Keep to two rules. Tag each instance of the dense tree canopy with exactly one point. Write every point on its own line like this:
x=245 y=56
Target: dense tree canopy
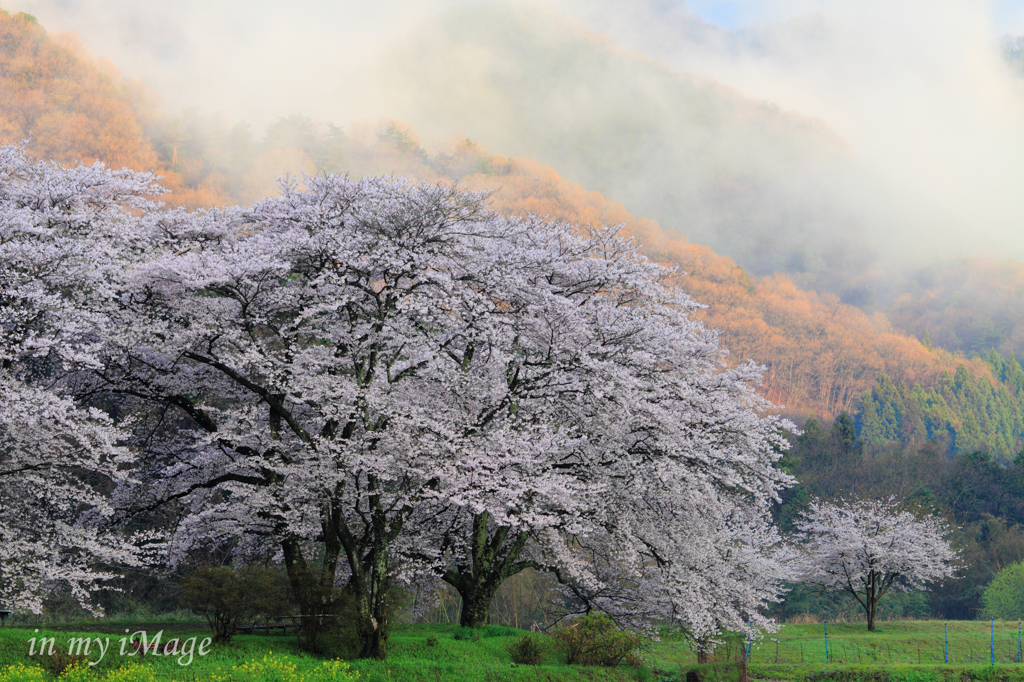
x=969 y=413
x=1004 y=596
x=372 y=375
x=60 y=231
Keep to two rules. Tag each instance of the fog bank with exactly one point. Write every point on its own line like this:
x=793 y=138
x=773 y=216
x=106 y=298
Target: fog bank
x=833 y=140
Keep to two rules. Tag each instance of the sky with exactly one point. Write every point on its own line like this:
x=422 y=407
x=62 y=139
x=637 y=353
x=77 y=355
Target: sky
x=732 y=16
x=1007 y=15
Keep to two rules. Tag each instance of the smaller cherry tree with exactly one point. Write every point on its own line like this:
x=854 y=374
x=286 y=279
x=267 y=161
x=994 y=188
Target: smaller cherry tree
x=869 y=547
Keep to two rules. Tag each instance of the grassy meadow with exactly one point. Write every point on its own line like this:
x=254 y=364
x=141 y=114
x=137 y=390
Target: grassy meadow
x=897 y=651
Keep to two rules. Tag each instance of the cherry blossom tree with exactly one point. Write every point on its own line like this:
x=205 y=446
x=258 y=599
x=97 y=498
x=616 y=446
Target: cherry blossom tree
x=869 y=547
x=301 y=341
x=388 y=376
x=60 y=233
x=685 y=558
x=644 y=403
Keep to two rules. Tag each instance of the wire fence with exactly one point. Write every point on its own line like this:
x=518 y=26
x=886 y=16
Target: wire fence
x=895 y=643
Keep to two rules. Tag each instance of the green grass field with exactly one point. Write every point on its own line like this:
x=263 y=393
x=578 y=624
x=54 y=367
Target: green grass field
x=419 y=652
x=899 y=651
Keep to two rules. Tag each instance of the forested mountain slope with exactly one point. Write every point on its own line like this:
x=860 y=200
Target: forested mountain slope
x=68 y=106
x=970 y=305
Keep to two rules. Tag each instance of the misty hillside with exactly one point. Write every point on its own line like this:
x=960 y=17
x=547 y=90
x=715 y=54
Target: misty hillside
x=971 y=305
x=67 y=107
x=823 y=357
x=760 y=184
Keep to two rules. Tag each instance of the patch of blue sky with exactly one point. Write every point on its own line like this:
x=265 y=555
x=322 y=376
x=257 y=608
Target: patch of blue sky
x=734 y=15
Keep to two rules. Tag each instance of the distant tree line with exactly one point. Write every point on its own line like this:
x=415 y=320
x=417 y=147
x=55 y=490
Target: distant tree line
x=964 y=413
x=942 y=450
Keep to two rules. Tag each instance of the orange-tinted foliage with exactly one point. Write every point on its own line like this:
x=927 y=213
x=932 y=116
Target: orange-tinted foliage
x=72 y=108
x=969 y=305
x=820 y=354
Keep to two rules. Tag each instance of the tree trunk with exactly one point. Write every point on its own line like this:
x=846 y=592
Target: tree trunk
x=871 y=597
x=368 y=557
x=314 y=593
x=493 y=560
x=476 y=603
x=371 y=584
x=375 y=645
x=371 y=614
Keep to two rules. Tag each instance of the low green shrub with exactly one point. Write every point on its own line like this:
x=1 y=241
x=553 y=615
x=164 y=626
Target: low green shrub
x=594 y=639
x=527 y=649
x=341 y=641
x=232 y=598
x=1004 y=596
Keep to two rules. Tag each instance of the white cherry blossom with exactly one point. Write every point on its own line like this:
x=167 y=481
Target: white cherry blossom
x=868 y=547
x=60 y=234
